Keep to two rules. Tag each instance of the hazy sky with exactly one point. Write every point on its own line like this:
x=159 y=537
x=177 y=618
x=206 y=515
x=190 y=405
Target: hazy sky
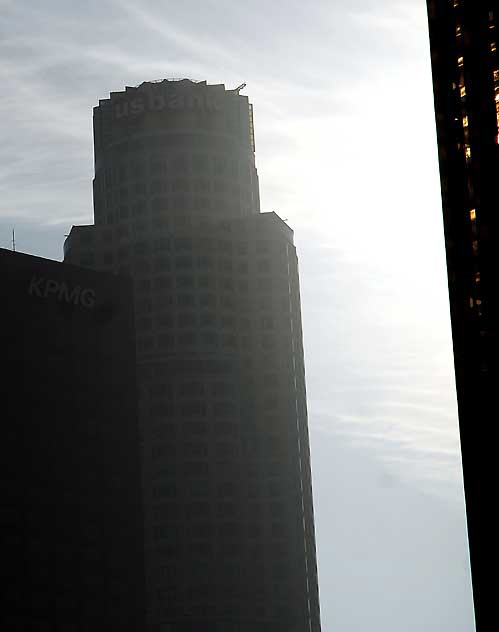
x=346 y=153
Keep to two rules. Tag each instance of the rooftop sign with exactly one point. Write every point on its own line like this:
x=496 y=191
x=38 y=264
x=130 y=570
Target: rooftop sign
x=156 y=101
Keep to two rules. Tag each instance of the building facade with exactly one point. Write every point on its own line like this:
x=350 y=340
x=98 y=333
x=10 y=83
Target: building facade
x=465 y=64
x=227 y=486
x=71 y=517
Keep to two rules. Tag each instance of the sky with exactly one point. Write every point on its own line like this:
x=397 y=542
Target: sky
x=346 y=153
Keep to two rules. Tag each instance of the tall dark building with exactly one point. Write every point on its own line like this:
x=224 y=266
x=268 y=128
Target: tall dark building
x=463 y=38
x=227 y=487
x=72 y=553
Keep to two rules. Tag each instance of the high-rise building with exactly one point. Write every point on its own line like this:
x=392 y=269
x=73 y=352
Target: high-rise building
x=464 y=38
x=72 y=545
x=227 y=485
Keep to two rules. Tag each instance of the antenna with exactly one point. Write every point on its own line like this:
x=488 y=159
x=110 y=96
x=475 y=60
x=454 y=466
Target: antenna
x=243 y=85
x=13 y=240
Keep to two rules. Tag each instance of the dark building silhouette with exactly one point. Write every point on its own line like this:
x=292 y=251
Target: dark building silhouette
x=71 y=520
x=464 y=37
x=227 y=487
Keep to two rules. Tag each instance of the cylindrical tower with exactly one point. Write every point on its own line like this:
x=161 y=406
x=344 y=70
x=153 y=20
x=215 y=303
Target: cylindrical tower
x=173 y=148
x=229 y=533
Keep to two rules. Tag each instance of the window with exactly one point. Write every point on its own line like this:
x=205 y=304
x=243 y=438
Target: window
x=189 y=389
x=187 y=340
x=162 y=282
x=87 y=260
x=268 y=342
x=267 y=322
x=108 y=258
x=165 y=491
x=183 y=263
x=180 y=164
x=205 y=262
x=206 y=245
x=265 y=284
x=186 y=319
x=205 y=282
x=227 y=284
x=145 y=343
x=140 y=188
x=143 y=285
x=182 y=244
x=460 y=62
x=185 y=282
x=165 y=321
x=224 y=246
x=227 y=302
x=200 y=162
x=207 y=319
x=186 y=300
x=159 y=204
x=225 y=265
x=201 y=185
x=180 y=185
x=473 y=214
x=209 y=338
x=140 y=248
x=195 y=428
x=199 y=487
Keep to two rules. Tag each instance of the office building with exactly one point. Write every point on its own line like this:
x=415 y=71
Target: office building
x=463 y=38
x=71 y=518
x=227 y=487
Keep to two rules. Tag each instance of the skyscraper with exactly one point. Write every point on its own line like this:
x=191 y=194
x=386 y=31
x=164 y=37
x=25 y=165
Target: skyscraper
x=72 y=542
x=463 y=38
x=227 y=486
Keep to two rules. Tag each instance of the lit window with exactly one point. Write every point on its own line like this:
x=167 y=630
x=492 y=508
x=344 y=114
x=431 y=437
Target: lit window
x=478 y=302
x=465 y=121
x=460 y=62
x=471 y=302
x=492 y=46
x=475 y=246
x=477 y=277
x=467 y=152
x=458 y=30
x=473 y=214
x=462 y=91
x=456 y=3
